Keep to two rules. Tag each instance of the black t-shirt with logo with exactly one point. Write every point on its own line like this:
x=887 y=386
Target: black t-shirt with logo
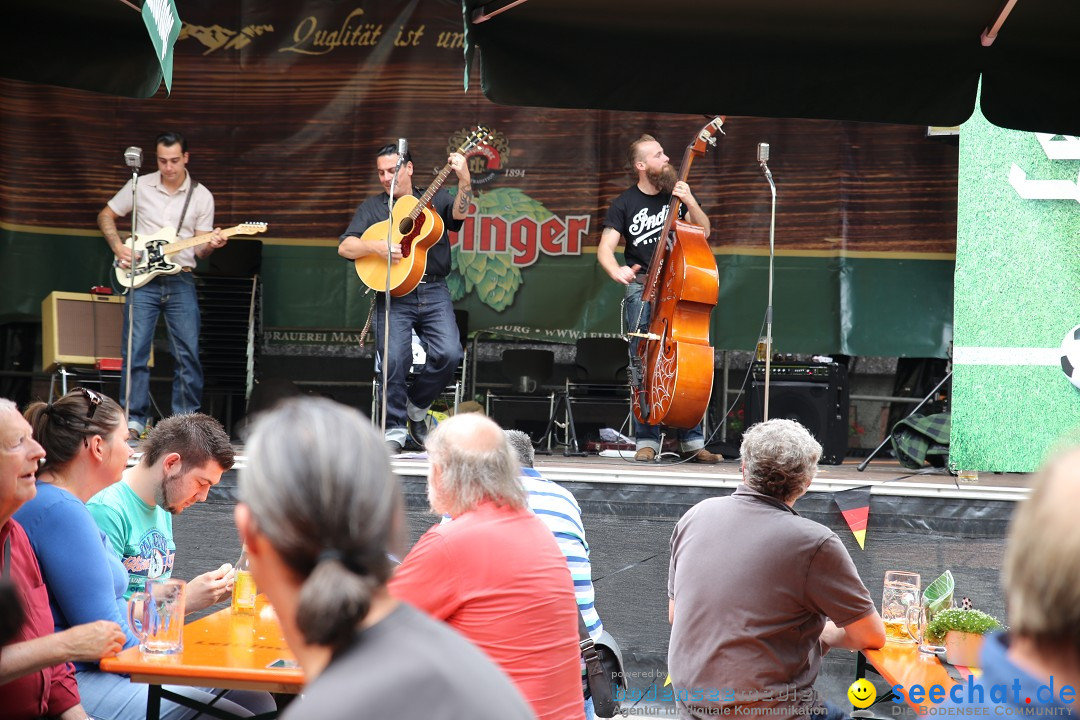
x=640 y=218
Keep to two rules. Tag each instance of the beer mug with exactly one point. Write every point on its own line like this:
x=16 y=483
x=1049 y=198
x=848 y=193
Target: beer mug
x=901 y=592
x=156 y=616
x=918 y=618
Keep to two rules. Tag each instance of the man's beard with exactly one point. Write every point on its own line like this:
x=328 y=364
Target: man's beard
x=664 y=178
x=166 y=492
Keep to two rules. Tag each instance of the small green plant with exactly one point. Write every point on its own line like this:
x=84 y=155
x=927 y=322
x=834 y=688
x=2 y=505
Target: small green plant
x=960 y=620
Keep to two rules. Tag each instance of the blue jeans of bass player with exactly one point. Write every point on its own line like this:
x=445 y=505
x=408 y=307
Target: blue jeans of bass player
x=174 y=297
x=429 y=310
x=636 y=316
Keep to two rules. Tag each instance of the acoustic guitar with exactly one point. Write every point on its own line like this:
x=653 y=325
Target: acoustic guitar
x=416 y=228
x=152 y=253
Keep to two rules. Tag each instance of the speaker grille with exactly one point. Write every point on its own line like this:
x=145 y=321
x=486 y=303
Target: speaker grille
x=820 y=406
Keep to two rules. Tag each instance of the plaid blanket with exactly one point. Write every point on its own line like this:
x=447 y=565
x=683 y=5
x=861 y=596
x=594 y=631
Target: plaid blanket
x=922 y=439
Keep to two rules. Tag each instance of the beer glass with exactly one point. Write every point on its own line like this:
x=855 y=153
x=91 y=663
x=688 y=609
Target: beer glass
x=901 y=592
x=156 y=616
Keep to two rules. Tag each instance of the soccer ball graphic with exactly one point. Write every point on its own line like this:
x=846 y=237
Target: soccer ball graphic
x=1070 y=356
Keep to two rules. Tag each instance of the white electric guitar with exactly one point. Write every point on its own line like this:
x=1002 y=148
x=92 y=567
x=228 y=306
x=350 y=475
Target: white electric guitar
x=153 y=253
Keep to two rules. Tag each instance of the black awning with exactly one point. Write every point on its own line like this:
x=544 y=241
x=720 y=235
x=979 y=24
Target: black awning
x=908 y=61
x=97 y=45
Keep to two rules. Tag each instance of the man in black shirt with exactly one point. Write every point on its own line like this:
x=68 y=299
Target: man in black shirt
x=637 y=217
x=428 y=309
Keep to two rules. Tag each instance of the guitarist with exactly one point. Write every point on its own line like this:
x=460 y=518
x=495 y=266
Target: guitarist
x=636 y=218
x=428 y=309
x=166 y=198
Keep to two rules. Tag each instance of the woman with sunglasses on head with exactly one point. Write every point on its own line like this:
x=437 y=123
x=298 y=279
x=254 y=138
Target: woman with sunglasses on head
x=85 y=434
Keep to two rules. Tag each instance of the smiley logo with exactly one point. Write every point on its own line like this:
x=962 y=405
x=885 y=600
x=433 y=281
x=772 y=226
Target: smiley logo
x=862 y=693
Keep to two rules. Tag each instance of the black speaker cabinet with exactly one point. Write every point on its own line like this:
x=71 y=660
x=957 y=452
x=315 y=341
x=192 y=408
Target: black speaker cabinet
x=815 y=395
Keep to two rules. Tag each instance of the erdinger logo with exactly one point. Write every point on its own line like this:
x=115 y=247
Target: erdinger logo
x=486 y=160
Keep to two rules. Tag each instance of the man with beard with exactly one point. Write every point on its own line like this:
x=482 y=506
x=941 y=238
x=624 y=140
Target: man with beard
x=638 y=217
x=183 y=457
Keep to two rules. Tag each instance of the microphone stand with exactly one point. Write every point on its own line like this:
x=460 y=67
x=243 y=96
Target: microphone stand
x=131 y=291
x=386 y=295
x=769 y=309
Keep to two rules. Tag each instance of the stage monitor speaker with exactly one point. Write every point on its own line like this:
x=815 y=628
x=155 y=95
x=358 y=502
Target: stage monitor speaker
x=815 y=395
x=80 y=329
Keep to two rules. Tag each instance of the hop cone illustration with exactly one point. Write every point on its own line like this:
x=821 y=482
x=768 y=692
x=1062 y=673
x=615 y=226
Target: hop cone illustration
x=493 y=275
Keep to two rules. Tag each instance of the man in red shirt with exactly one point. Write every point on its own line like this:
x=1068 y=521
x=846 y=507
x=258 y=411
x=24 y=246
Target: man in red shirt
x=35 y=679
x=495 y=573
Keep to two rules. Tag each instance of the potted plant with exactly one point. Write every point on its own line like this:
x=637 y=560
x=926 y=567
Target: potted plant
x=962 y=631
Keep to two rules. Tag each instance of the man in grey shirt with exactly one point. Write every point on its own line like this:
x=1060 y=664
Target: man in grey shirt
x=757 y=594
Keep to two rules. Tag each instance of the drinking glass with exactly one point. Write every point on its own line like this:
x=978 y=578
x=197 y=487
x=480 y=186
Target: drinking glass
x=918 y=618
x=156 y=616
x=901 y=592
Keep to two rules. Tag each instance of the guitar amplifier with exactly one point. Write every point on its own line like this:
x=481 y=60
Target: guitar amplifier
x=81 y=329
x=815 y=395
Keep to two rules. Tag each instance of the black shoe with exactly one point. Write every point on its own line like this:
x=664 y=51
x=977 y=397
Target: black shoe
x=418 y=430
x=393 y=447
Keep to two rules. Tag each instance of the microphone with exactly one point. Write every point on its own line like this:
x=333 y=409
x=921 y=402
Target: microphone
x=133 y=157
x=763 y=158
x=402 y=148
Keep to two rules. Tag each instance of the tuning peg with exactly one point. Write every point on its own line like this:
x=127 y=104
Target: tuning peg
x=712 y=140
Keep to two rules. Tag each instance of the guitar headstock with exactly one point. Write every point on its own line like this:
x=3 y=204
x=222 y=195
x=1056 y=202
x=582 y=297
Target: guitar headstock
x=250 y=228
x=477 y=137
x=707 y=135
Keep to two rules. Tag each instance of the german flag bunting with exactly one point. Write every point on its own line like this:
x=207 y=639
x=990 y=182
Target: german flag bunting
x=854 y=504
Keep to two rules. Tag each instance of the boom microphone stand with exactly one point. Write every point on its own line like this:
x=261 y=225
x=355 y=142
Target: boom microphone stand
x=133 y=159
x=402 y=148
x=763 y=160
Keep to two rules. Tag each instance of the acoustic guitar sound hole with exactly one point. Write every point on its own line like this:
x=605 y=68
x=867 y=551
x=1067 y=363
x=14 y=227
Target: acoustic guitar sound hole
x=405 y=226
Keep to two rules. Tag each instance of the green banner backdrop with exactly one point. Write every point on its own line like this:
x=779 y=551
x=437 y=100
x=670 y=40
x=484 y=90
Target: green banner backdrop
x=284 y=105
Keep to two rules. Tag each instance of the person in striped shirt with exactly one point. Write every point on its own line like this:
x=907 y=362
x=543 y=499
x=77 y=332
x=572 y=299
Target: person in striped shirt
x=559 y=510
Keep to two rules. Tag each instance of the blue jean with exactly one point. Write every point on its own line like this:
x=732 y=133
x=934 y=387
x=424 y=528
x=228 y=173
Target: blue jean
x=106 y=696
x=429 y=310
x=174 y=297
x=637 y=315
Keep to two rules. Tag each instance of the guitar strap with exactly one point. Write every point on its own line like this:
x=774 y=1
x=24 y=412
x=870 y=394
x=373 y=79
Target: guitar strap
x=187 y=201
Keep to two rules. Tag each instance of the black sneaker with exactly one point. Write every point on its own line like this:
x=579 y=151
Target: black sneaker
x=393 y=447
x=418 y=431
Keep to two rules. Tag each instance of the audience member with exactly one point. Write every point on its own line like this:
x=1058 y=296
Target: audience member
x=1039 y=657
x=758 y=594
x=85 y=436
x=182 y=458
x=495 y=573
x=320 y=512
x=559 y=510
x=35 y=677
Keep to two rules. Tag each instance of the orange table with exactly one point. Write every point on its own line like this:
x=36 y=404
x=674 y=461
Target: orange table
x=901 y=664
x=222 y=650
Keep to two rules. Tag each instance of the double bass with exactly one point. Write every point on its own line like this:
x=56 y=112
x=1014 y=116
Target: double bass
x=675 y=356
